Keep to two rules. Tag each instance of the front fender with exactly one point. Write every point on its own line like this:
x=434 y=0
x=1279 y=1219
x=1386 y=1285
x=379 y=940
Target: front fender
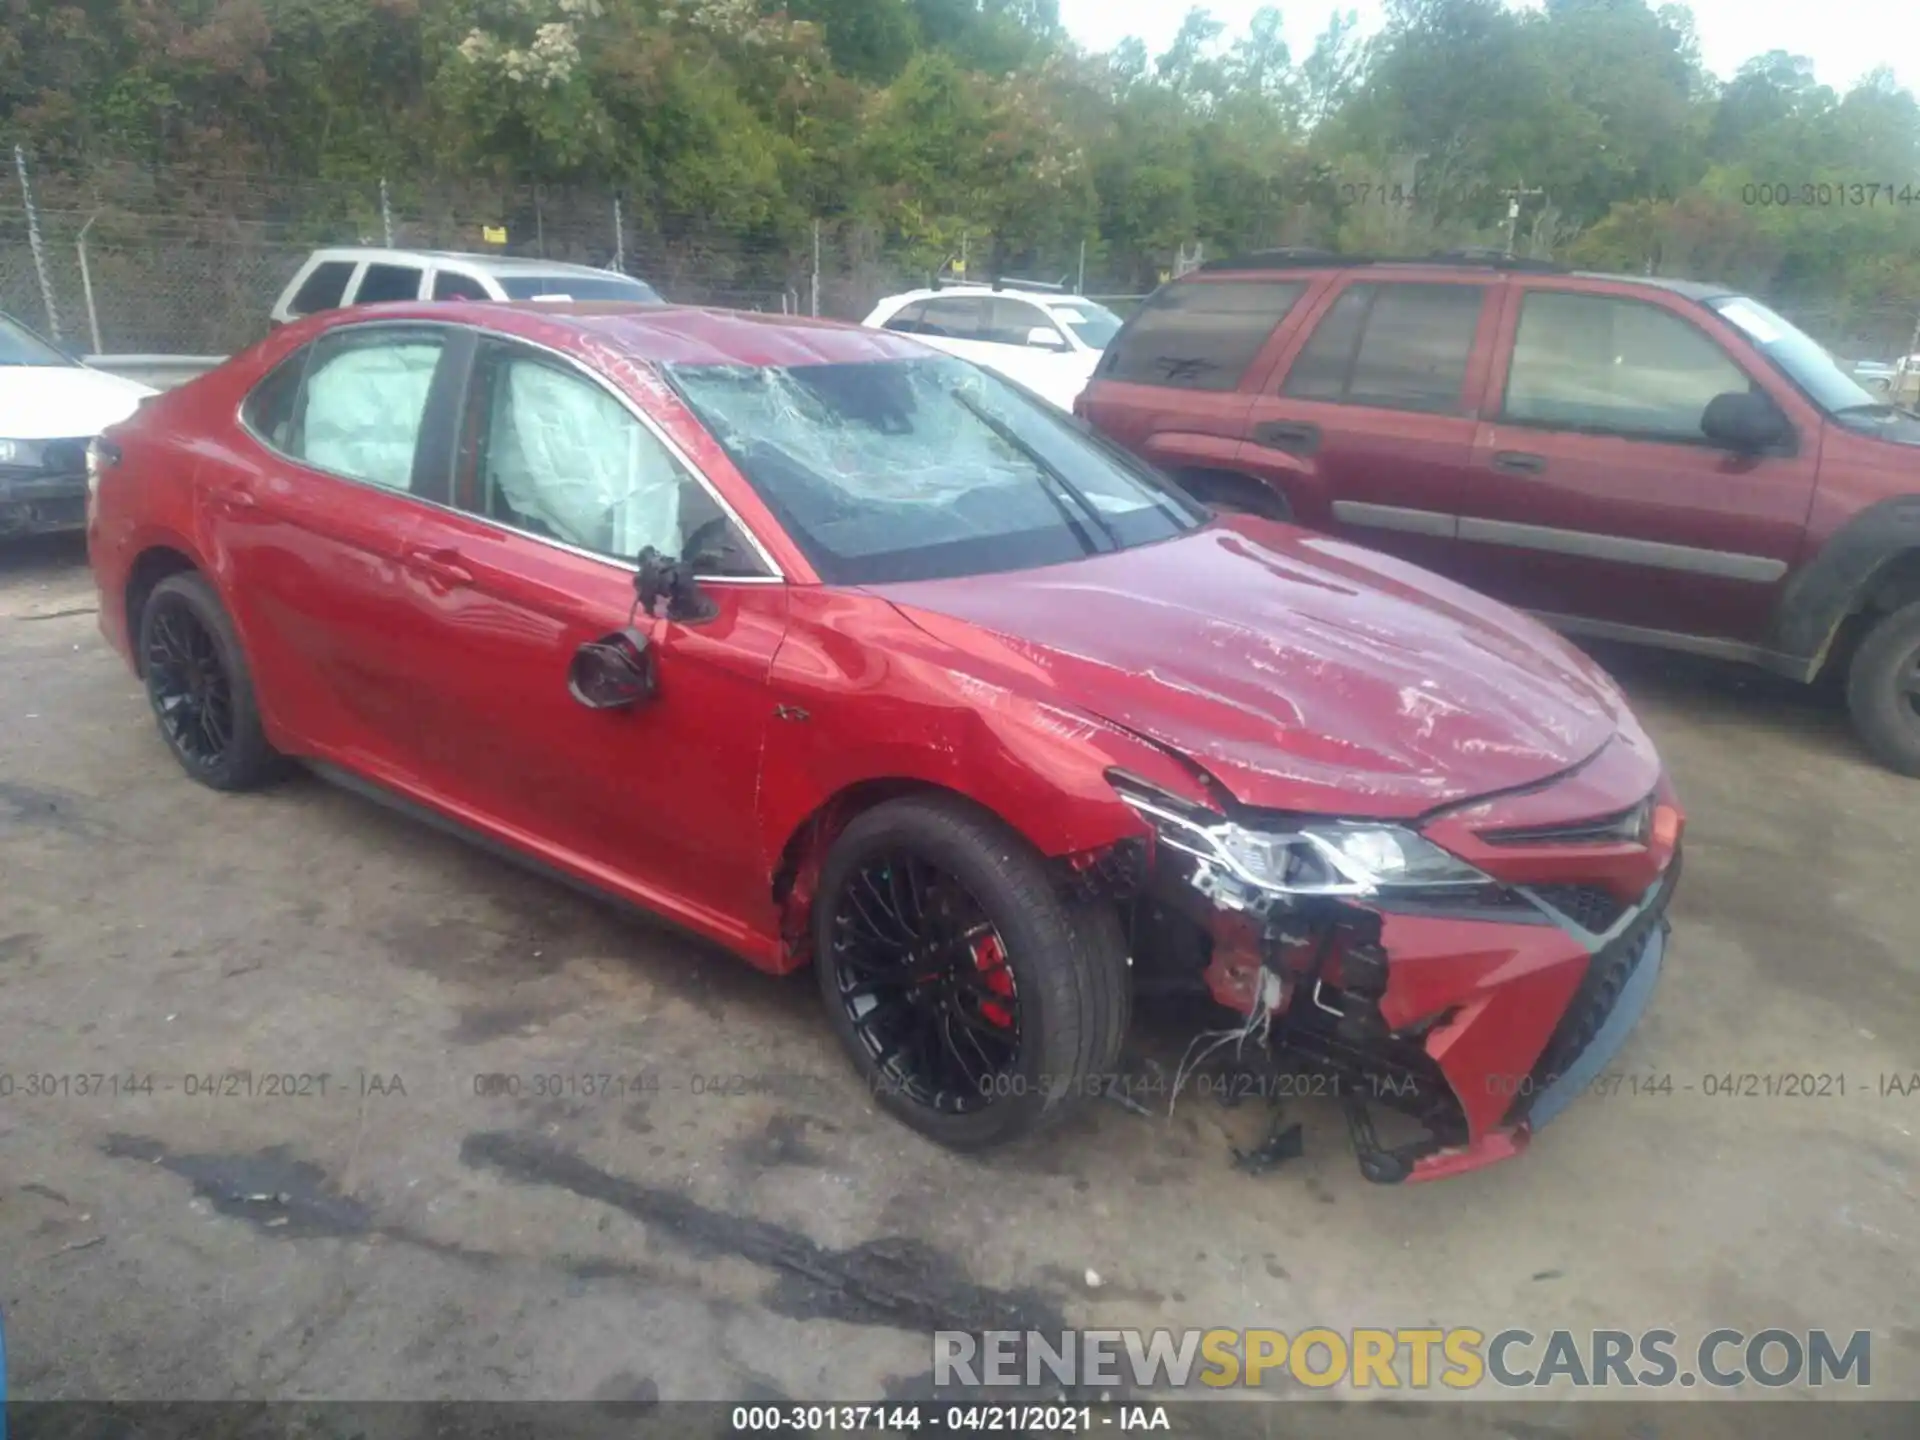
x=865 y=696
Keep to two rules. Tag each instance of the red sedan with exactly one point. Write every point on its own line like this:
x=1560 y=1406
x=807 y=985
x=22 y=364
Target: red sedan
x=835 y=650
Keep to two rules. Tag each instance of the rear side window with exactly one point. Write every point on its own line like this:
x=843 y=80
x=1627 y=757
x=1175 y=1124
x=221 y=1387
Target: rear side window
x=1199 y=335
x=387 y=282
x=269 y=410
x=1397 y=346
x=452 y=285
x=365 y=399
x=323 y=288
x=957 y=319
x=907 y=320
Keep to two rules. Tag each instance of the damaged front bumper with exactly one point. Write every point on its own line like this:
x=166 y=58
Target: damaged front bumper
x=1451 y=1025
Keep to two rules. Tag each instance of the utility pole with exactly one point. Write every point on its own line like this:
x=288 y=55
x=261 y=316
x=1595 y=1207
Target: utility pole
x=1514 y=197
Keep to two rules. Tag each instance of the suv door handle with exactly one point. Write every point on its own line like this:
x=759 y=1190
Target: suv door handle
x=439 y=567
x=1520 y=462
x=1295 y=437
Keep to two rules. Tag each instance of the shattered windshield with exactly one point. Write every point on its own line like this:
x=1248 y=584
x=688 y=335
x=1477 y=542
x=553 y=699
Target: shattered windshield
x=925 y=468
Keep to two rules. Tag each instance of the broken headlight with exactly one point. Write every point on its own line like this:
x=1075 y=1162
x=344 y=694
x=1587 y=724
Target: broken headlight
x=1308 y=857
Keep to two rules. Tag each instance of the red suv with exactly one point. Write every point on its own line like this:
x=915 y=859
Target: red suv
x=1634 y=459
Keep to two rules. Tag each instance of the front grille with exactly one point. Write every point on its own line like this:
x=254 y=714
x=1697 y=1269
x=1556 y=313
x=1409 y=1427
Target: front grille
x=1588 y=906
x=1598 y=992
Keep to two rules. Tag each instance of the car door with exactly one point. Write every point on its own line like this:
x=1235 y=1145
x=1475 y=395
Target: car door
x=310 y=517
x=1368 y=430
x=1595 y=493
x=560 y=481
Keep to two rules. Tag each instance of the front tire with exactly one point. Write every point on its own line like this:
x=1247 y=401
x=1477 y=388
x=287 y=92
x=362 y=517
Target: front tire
x=1883 y=690
x=974 y=1001
x=200 y=687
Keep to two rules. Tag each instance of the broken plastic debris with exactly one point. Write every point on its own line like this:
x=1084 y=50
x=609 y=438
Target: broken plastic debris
x=1093 y=1279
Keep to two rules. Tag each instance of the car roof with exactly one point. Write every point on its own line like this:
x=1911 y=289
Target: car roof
x=973 y=291
x=1281 y=261
x=663 y=334
x=491 y=264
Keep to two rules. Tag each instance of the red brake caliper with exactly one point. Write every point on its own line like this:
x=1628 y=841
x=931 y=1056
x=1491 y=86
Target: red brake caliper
x=990 y=959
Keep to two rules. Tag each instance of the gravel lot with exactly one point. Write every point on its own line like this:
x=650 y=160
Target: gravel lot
x=401 y=1236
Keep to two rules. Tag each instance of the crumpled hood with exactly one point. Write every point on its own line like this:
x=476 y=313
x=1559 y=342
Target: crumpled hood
x=1303 y=673
x=63 y=402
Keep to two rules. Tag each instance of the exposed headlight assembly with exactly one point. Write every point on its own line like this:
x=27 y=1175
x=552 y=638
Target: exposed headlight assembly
x=1314 y=857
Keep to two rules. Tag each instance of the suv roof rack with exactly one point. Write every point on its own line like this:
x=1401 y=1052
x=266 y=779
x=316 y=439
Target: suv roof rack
x=1001 y=282
x=1300 y=257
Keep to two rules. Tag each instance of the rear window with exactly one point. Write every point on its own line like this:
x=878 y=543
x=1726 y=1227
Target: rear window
x=1199 y=335
x=577 y=287
x=323 y=288
x=383 y=283
x=1398 y=347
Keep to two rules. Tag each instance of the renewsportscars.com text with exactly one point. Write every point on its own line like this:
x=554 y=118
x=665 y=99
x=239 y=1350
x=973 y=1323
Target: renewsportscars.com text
x=1461 y=1358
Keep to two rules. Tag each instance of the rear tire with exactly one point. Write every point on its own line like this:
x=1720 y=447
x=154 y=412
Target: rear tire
x=1023 y=1015
x=1883 y=690
x=200 y=687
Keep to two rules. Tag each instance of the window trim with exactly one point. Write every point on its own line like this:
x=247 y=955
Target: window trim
x=1459 y=407
x=774 y=576
x=1786 y=449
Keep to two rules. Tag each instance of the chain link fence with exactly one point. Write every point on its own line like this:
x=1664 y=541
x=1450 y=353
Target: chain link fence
x=135 y=259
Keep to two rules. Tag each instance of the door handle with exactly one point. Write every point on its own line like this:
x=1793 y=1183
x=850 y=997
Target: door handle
x=1295 y=437
x=439 y=567
x=1519 y=462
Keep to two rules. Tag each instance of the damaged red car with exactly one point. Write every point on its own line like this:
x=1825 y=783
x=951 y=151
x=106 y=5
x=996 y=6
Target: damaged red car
x=840 y=652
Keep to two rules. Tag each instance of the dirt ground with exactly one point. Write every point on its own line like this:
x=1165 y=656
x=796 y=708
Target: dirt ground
x=396 y=1233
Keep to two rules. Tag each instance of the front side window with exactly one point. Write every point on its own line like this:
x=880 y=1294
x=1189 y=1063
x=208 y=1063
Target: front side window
x=361 y=409
x=1199 y=335
x=1401 y=346
x=1013 y=322
x=918 y=469
x=1613 y=365
x=322 y=288
x=557 y=455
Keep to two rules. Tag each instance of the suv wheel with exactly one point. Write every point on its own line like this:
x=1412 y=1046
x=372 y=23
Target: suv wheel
x=1883 y=690
x=974 y=1000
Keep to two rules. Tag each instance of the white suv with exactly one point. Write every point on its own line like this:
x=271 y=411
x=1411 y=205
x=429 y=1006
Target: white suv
x=1040 y=335
x=358 y=275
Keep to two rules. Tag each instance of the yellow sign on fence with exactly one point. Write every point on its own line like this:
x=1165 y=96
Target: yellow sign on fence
x=494 y=234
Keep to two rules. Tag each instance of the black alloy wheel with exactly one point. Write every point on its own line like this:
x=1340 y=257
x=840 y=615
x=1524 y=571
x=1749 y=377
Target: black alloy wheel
x=187 y=682
x=925 y=982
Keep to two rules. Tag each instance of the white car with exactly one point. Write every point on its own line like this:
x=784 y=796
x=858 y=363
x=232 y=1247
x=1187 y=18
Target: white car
x=51 y=406
x=1041 y=336
x=343 y=275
